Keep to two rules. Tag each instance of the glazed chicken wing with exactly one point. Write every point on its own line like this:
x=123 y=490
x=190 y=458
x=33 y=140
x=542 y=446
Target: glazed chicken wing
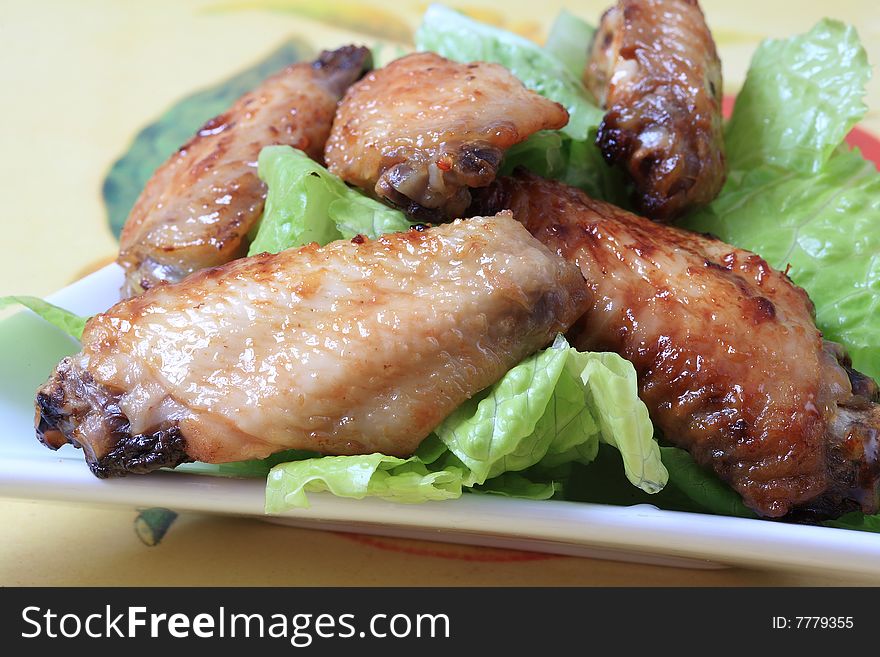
x=421 y=131
x=729 y=360
x=197 y=209
x=353 y=348
x=653 y=66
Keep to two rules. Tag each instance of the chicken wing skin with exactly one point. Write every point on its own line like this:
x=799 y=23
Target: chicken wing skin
x=196 y=210
x=421 y=131
x=653 y=66
x=356 y=347
x=729 y=360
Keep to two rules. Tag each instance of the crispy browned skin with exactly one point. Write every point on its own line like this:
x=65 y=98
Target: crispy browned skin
x=654 y=67
x=423 y=130
x=198 y=207
x=352 y=348
x=730 y=363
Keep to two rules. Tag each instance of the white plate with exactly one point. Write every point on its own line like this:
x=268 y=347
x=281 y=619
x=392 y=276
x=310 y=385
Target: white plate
x=29 y=349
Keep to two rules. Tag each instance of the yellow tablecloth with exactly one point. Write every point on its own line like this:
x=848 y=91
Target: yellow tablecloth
x=79 y=80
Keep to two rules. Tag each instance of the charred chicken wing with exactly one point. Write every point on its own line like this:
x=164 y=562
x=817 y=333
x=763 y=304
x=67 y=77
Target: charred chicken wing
x=421 y=131
x=730 y=362
x=352 y=348
x=198 y=207
x=653 y=66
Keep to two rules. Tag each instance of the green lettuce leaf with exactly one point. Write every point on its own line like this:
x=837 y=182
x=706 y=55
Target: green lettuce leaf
x=513 y=424
x=515 y=484
x=376 y=475
x=306 y=203
x=555 y=408
x=69 y=322
x=826 y=228
x=804 y=202
x=251 y=469
x=568 y=40
x=514 y=439
x=701 y=487
x=690 y=488
x=801 y=97
x=555 y=155
x=856 y=520
x=796 y=195
x=462 y=39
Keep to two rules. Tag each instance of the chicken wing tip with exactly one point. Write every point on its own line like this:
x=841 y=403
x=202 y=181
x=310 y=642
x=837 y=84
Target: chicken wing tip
x=344 y=66
x=70 y=395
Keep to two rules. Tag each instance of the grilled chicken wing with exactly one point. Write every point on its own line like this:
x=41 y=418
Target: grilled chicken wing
x=422 y=130
x=654 y=67
x=356 y=347
x=730 y=363
x=198 y=207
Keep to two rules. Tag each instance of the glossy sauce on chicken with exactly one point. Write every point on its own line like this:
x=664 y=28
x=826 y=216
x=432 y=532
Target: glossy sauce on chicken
x=729 y=360
x=197 y=209
x=422 y=131
x=654 y=67
x=352 y=348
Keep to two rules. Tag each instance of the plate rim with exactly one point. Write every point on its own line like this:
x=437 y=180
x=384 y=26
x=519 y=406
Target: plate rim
x=626 y=533
x=641 y=532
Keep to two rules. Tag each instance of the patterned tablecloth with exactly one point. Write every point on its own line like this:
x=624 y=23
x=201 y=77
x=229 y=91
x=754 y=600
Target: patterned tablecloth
x=81 y=81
